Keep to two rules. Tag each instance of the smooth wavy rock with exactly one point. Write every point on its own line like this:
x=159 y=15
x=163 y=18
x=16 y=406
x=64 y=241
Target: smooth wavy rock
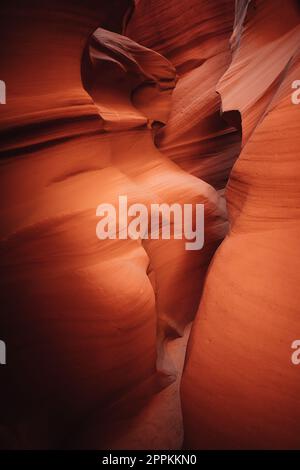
x=132 y=85
x=194 y=36
x=240 y=389
x=262 y=49
x=88 y=322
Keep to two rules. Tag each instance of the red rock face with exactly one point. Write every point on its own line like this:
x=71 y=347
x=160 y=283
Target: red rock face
x=195 y=136
x=240 y=388
x=153 y=100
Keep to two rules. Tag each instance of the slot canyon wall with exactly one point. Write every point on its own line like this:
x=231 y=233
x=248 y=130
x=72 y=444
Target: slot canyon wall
x=135 y=344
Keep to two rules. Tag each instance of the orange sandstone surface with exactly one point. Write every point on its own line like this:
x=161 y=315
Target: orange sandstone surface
x=165 y=102
x=240 y=389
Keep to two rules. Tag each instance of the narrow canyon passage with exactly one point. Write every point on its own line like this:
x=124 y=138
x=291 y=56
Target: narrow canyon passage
x=166 y=102
x=149 y=86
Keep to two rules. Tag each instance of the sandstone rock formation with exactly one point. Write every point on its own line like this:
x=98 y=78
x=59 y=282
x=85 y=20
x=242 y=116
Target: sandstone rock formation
x=194 y=36
x=240 y=388
x=87 y=321
x=153 y=100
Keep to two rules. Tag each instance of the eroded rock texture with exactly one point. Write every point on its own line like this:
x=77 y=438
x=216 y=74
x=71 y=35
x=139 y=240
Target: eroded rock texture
x=240 y=388
x=194 y=36
x=88 y=321
x=153 y=100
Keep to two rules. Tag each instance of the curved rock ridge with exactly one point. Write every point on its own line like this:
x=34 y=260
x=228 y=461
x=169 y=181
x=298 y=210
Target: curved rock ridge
x=91 y=329
x=261 y=56
x=46 y=101
x=240 y=388
x=131 y=84
x=194 y=36
x=164 y=102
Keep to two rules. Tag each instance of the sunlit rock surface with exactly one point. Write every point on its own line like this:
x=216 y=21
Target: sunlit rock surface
x=194 y=35
x=88 y=322
x=240 y=388
x=153 y=100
